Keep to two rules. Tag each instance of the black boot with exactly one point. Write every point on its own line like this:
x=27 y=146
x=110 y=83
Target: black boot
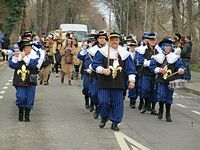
x=141 y=104
x=144 y=107
x=91 y=108
x=143 y=110
x=114 y=127
x=27 y=115
x=153 y=111
x=21 y=114
x=103 y=123
x=96 y=113
x=160 y=113
x=87 y=102
x=148 y=105
x=132 y=104
x=168 y=115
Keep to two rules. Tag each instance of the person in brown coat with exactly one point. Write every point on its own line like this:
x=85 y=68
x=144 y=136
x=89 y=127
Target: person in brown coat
x=67 y=54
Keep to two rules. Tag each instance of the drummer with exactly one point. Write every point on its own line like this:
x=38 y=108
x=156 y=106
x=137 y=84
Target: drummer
x=167 y=66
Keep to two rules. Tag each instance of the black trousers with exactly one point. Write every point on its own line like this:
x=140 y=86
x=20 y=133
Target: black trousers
x=56 y=66
x=76 y=68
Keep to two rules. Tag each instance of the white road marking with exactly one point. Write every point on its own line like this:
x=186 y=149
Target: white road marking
x=121 y=137
x=9 y=80
x=7 y=83
x=183 y=106
x=1 y=96
x=11 y=77
x=133 y=148
x=2 y=92
x=196 y=112
x=5 y=87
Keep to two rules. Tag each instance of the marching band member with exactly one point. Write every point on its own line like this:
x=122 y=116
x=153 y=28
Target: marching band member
x=25 y=62
x=112 y=68
x=133 y=93
x=148 y=78
x=82 y=55
x=167 y=65
x=101 y=38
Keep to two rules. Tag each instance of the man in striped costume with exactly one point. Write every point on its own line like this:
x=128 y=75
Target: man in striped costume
x=113 y=67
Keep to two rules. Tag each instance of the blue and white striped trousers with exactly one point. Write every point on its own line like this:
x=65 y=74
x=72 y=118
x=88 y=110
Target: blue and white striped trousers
x=86 y=84
x=148 y=91
x=25 y=96
x=94 y=89
x=133 y=93
x=111 y=104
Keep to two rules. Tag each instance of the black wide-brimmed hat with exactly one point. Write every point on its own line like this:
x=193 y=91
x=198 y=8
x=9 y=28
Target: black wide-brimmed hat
x=92 y=37
x=114 y=35
x=177 y=36
x=128 y=38
x=27 y=34
x=101 y=33
x=24 y=43
x=132 y=43
x=165 y=41
x=152 y=36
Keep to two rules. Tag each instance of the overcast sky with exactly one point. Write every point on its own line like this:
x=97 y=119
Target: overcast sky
x=104 y=9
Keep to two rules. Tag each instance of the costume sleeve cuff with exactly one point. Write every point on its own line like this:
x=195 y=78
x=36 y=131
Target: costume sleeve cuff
x=157 y=70
x=15 y=59
x=26 y=60
x=40 y=61
x=146 y=63
x=131 y=77
x=83 y=52
x=99 y=69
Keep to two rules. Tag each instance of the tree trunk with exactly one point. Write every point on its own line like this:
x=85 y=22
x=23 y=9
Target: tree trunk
x=176 y=20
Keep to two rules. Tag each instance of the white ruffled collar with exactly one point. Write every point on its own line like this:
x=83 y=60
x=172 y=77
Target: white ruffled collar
x=171 y=58
x=141 y=49
x=92 y=51
x=114 y=53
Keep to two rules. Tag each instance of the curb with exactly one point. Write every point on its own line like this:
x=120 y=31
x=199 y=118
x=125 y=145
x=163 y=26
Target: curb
x=192 y=90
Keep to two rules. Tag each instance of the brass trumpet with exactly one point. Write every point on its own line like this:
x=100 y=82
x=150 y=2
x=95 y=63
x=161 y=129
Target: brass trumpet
x=167 y=72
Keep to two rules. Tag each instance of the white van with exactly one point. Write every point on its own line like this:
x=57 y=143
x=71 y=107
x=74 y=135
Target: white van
x=80 y=31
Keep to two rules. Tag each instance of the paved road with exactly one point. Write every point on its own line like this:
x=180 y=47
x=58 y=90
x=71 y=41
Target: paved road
x=60 y=122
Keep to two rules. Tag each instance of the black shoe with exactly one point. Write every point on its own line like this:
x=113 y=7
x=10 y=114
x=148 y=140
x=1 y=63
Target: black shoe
x=21 y=114
x=96 y=114
x=27 y=115
x=140 y=105
x=148 y=107
x=154 y=112
x=87 y=102
x=143 y=110
x=40 y=82
x=91 y=108
x=160 y=115
x=103 y=123
x=132 y=104
x=168 y=117
x=114 y=127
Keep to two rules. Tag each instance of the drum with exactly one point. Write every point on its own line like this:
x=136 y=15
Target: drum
x=177 y=84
